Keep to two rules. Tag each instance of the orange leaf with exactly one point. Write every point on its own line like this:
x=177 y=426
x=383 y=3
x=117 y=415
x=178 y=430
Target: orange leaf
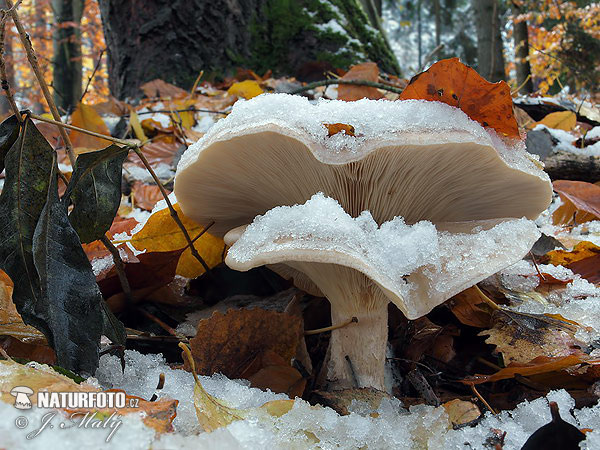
x=146 y=195
x=366 y=71
x=579 y=198
x=335 y=128
x=581 y=251
x=85 y=116
x=160 y=88
x=471 y=308
x=451 y=82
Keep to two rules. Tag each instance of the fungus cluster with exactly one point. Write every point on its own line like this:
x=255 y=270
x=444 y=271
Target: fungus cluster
x=417 y=205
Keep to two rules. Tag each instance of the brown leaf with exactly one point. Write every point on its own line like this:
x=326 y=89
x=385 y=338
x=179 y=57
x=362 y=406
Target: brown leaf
x=366 y=71
x=156 y=152
x=227 y=343
x=335 y=128
x=274 y=373
x=162 y=89
x=146 y=195
x=581 y=202
x=523 y=337
x=471 y=308
x=588 y=268
x=450 y=81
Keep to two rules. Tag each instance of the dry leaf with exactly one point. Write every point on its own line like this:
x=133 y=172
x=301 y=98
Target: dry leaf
x=227 y=343
x=146 y=196
x=156 y=152
x=246 y=89
x=523 y=337
x=581 y=251
x=471 y=308
x=561 y=120
x=456 y=84
x=136 y=126
x=461 y=412
x=366 y=71
x=161 y=234
x=186 y=119
x=588 y=268
x=162 y=89
x=270 y=371
x=335 y=128
x=86 y=117
x=581 y=202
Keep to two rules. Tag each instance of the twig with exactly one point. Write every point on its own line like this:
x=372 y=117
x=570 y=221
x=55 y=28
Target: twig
x=541 y=275
x=119 y=267
x=486 y=299
x=331 y=328
x=382 y=86
x=516 y=91
x=83 y=130
x=486 y=404
x=190 y=109
x=162 y=324
x=3 y=74
x=430 y=56
x=174 y=215
x=40 y=77
x=89 y=81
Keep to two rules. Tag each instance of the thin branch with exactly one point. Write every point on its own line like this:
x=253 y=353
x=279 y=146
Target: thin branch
x=119 y=267
x=331 y=328
x=168 y=111
x=382 y=86
x=162 y=324
x=89 y=81
x=480 y=397
x=3 y=74
x=40 y=77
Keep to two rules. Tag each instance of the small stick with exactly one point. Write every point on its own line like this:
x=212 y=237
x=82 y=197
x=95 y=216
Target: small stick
x=40 y=77
x=487 y=300
x=159 y=386
x=3 y=74
x=486 y=404
x=190 y=109
x=382 y=86
x=119 y=267
x=162 y=324
x=331 y=328
x=536 y=266
x=89 y=81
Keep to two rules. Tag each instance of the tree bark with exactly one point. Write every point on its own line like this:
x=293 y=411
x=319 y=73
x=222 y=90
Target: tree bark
x=490 y=58
x=67 y=53
x=521 y=39
x=176 y=39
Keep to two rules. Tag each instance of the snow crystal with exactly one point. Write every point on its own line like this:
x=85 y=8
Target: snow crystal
x=137 y=173
x=377 y=123
x=205 y=123
x=332 y=26
x=566 y=142
x=321 y=231
x=101 y=264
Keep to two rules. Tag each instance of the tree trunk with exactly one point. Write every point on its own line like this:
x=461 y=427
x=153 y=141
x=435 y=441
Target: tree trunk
x=490 y=59
x=67 y=53
x=521 y=38
x=176 y=39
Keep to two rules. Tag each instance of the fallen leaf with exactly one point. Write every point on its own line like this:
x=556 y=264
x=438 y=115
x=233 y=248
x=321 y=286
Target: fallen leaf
x=146 y=196
x=155 y=153
x=335 y=128
x=450 y=81
x=227 y=343
x=471 y=308
x=461 y=412
x=583 y=250
x=367 y=72
x=161 y=89
x=161 y=234
x=561 y=120
x=186 y=119
x=270 y=371
x=523 y=337
x=246 y=89
x=588 y=268
x=581 y=202
x=136 y=126
x=86 y=117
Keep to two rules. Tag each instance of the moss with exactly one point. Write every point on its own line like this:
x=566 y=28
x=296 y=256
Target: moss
x=286 y=34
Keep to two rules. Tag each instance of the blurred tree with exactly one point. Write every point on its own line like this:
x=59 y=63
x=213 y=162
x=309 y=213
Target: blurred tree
x=490 y=57
x=67 y=53
x=521 y=40
x=175 y=39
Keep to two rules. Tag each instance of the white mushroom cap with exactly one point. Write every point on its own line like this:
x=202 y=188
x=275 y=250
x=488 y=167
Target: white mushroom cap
x=417 y=159
x=21 y=390
x=417 y=267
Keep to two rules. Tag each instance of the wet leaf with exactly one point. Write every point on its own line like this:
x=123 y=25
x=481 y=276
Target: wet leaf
x=561 y=120
x=367 y=72
x=523 y=337
x=227 y=343
x=9 y=132
x=86 y=117
x=335 y=128
x=95 y=189
x=246 y=89
x=161 y=234
x=450 y=81
x=581 y=202
x=70 y=306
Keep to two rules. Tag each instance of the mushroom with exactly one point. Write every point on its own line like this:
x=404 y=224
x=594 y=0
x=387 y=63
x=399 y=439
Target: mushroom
x=419 y=204
x=21 y=394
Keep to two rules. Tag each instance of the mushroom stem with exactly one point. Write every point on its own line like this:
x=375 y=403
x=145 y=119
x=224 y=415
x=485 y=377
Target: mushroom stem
x=357 y=352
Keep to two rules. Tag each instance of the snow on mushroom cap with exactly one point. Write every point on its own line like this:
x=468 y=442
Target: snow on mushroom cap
x=421 y=160
x=416 y=266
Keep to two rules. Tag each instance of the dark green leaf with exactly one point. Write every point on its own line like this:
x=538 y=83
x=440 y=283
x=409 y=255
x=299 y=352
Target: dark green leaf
x=9 y=132
x=29 y=163
x=112 y=327
x=71 y=303
x=95 y=189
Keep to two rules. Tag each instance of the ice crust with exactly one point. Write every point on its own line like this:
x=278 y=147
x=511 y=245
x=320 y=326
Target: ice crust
x=377 y=123
x=321 y=231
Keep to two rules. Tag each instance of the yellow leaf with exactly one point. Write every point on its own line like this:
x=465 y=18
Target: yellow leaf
x=581 y=251
x=136 y=126
x=561 y=120
x=461 y=412
x=246 y=89
x=86 y=117
x=161 y=234
x=186 y=118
